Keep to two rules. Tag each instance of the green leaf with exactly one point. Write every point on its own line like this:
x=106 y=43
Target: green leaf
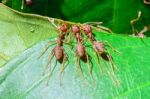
x=22 y=77
x=115 y=14
x=20 y=31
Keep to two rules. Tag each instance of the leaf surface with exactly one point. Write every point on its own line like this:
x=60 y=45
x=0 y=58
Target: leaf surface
x=22 y=75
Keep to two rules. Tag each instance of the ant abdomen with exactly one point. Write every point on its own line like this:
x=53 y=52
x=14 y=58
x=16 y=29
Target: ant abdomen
x=59 y=53
x=80 y=50
x=99 y=47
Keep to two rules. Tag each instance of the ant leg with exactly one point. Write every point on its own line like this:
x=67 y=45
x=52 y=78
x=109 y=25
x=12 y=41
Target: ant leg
x=132 y=22
x=111 y=61
x=108 y=72
x=85 y=39
x=112 y=67
x=51 y=72
x=50 y=60
x=78 y=65
x=22 y=5
x=63 y=66
x=109 y=45
x=89 y=67
x=141 y=33
x=71 y=46
x=77 y=61
x=47 y=46
x=93 y=23
x=104 y=28
x=97 y=59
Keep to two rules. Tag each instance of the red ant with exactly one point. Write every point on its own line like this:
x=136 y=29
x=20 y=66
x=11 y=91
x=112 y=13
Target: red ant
x=99 y=48
x=58 y=51
x=80 y=50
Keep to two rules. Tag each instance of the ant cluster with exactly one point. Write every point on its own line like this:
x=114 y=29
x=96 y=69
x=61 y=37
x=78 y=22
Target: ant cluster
x=80 y=54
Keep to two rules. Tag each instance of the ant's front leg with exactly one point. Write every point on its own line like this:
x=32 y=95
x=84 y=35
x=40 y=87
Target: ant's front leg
x=104 y=29
x=110 y=75
x=46 y=48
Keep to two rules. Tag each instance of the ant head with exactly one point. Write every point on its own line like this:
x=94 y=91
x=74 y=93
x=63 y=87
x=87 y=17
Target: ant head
x=87 y=29
x=75 y=29
x=63 y=27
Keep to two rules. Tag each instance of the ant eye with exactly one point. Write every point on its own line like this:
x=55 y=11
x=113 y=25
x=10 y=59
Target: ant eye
x=28 y=2
x=75 y=29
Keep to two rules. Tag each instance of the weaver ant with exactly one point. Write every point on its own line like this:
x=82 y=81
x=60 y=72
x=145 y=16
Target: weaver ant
x=100 y=51
x=81 y=52
x=58 y=51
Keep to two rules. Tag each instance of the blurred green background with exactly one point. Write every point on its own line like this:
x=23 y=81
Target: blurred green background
x=115 y=14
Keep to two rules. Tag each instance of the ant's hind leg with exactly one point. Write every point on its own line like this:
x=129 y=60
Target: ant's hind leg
x=97 y=60
x=51 y=72
x=108 y=72
x=77 y=61
x=63 y=66
x=89 y=67
x=113 y=66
